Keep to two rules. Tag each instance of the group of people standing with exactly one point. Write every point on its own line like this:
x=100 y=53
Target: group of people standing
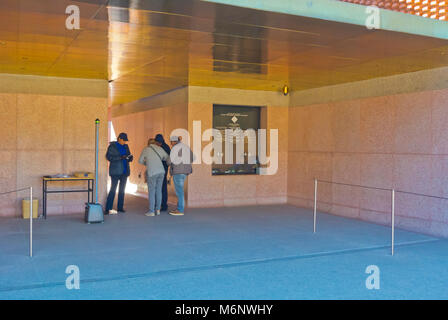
x=160 y=169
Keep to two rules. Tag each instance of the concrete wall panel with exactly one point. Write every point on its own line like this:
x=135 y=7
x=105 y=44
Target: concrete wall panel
x=45 y=131
x=393 y=141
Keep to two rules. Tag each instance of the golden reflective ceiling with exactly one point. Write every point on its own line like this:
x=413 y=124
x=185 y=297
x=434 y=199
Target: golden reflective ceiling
x=148 y=47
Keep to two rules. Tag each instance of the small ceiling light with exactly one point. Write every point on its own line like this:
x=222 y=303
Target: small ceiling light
x=285 y=90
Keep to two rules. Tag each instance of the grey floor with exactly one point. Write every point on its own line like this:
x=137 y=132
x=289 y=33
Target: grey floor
x=256 y=252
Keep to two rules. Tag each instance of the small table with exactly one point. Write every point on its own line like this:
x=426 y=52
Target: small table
x=45 y=191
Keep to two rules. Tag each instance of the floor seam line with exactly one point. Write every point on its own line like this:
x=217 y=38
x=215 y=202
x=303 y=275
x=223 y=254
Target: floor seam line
x=218 y=266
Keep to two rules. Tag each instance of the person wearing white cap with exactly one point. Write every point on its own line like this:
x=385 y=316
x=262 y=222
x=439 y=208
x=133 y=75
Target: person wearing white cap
x=181 y=166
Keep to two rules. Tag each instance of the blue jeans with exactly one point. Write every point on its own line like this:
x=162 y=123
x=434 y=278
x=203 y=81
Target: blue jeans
x=165 y=192
x=179 y=180
x=155 y=191
x=121 y=190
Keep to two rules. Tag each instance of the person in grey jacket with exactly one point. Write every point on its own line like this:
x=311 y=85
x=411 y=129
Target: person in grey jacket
x=119 y=156
x=153 y=157
x=181 y=166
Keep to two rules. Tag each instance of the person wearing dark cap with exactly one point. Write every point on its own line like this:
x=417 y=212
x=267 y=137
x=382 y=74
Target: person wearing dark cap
x=119 y=156
x=159 y=138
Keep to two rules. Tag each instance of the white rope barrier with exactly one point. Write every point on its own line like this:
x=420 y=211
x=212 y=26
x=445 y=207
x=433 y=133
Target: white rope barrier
x=393 y=222
x=31 y=221
x=315 y=206
x=366 y=187
x=31 y=213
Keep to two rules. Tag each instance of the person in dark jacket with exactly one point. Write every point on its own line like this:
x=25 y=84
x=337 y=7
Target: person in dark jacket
x=119 y=156
x=159 y=138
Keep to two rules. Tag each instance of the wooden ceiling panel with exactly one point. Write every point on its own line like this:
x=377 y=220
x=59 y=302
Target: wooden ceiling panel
x=147 y=47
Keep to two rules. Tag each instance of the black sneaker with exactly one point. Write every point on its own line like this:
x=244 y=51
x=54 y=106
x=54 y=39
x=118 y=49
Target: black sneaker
x=122 y=211
x=106 y=212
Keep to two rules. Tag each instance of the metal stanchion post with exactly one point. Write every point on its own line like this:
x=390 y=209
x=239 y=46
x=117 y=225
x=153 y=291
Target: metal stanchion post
x=31 y=221
x=315 y=205
x=393 y=222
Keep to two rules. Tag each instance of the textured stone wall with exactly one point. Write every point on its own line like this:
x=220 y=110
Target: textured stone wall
x=49 y=133
x=144 y=119
x=395 y=141
x=206 y=190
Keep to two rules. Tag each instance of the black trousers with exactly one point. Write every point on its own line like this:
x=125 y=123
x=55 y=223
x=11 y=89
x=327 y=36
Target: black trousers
x=110 y=198
x=164 y=205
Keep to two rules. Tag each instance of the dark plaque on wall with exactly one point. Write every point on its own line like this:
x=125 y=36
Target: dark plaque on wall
x=233 y=118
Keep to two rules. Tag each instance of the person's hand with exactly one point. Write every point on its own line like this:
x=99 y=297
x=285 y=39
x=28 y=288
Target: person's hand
x=124 y=157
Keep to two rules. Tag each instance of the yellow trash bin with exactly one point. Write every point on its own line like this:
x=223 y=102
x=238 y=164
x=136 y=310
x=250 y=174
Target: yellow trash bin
x=26 y=208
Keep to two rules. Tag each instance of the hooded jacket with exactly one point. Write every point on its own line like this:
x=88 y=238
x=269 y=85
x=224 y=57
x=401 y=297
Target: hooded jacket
x=153 y=157
x=116 y=163
x=178 y=165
